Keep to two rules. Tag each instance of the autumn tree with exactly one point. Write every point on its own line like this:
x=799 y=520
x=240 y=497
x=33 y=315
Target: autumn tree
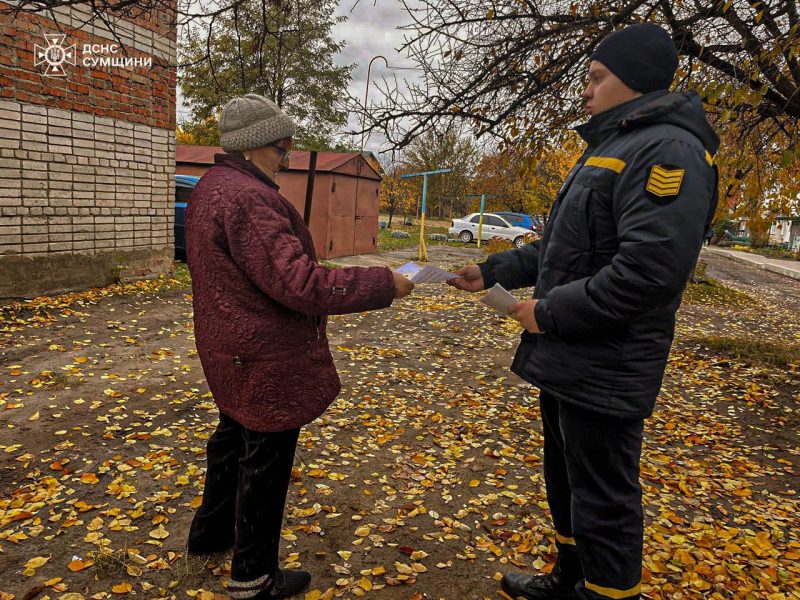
x=506 y=180
x=447 y=193
x=284 y=51
x=514 y=69
x=200 y=133
x=521 y=182
x=398 y=195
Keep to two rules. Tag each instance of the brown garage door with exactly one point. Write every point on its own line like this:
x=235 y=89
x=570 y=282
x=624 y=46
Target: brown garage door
x=366 y=218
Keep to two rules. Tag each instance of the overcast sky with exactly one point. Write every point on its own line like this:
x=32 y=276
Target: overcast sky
x=371 y=30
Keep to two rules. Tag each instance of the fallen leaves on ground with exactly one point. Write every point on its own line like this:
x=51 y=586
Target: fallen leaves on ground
x=424 y=477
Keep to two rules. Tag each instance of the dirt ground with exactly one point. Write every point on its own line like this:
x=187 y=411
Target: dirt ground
x=423 y=480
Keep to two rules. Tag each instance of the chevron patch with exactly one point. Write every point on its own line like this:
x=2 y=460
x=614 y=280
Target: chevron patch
x=665 y=181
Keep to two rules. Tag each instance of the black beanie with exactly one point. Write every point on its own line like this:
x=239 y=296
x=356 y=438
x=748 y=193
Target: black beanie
x=643 y=56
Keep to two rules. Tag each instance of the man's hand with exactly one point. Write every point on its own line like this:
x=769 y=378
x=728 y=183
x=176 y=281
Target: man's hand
x=524 y=313
x=402 y=286
x=469 y=279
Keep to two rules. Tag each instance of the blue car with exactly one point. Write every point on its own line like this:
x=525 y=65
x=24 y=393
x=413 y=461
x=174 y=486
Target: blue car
x=520 y=220
x=184 y=186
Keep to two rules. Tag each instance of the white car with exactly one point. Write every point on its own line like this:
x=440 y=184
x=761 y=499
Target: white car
x=466 y=229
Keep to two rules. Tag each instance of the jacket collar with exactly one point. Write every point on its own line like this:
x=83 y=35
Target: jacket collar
x=236 y=160
x=597 y=129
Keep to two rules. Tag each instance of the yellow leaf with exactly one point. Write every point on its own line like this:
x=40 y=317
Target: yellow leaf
x=196 y=502
x=122 y=588
x=34 y=416
x=345 y=554
x=89 y=478
x=37 y=562
x=313 y=595
x=403 y=568
x=365 y=584
x=159 y=533
x=762 y=539
x=474 y=483
x=79 y=565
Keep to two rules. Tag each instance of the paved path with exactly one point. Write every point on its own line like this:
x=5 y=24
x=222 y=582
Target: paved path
x=439 y=256
x=788 y=268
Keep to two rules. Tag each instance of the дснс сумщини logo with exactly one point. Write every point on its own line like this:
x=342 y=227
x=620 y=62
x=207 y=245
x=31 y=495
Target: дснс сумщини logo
x=54 y=55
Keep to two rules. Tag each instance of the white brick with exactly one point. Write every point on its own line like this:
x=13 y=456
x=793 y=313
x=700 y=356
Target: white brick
x=34 y=146
x=59 y=247
x=59 y=122
x=59 y=113
x=33 y=136
x=9 y=105
x=81 y=117
x=12 y=183
x=35 y=119
x=65 y=131
x=34 y=110
x=35 y=128
x=10 y=116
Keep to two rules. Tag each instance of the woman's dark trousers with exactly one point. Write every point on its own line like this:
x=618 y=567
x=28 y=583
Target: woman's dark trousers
x=247 y=479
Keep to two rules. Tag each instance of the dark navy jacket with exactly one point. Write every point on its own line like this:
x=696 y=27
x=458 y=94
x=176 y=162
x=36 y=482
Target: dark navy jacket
x=622 y=240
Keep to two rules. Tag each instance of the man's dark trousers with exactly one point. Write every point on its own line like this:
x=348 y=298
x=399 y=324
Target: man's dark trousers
x=245 y=492
x=591 y=469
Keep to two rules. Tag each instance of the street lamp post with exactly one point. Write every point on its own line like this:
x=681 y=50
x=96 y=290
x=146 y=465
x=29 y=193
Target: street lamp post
x=366 y=96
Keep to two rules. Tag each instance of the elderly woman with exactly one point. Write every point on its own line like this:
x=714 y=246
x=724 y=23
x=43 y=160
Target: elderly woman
x=260 y=300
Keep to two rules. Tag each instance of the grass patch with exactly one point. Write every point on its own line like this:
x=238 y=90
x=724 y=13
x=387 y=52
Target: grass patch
x=757 y=352
x=768 y=251
x=181 y=274
x=387 y=243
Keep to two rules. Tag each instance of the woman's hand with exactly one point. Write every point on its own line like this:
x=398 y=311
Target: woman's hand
x=402 y=286
x=469 y=279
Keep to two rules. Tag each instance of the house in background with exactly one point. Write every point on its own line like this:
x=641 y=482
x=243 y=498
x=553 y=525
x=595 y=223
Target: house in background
x=785 y=232
x=344 y=206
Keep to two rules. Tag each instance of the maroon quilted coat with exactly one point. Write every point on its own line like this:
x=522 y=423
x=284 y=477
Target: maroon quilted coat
x=260 y=298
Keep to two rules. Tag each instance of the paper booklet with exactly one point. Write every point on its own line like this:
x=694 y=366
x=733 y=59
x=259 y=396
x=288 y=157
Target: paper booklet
x=418 y=274
x=499 y=298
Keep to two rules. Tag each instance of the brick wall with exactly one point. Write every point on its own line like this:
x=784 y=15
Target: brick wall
x=86 y=160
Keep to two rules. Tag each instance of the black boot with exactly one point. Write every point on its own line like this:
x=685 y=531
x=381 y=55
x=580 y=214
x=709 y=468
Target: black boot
x=208 y=542
x=559 y=584
x=286 y=584
x=538 y=587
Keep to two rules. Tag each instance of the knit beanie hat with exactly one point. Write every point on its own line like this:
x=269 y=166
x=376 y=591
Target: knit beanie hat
x=643 y=56
x=252 y=121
